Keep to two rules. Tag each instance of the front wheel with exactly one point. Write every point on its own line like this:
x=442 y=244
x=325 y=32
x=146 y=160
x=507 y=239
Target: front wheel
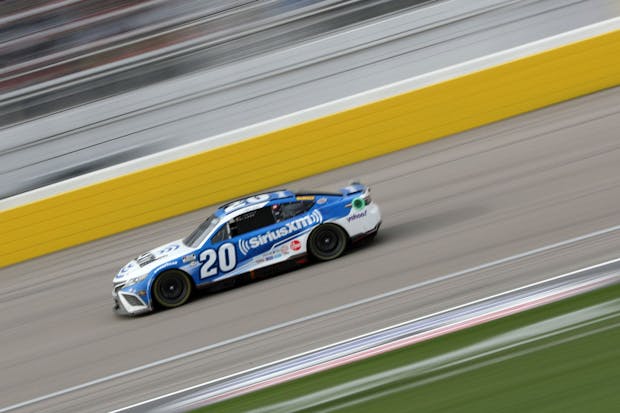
x=327 y=242
x=171 y=289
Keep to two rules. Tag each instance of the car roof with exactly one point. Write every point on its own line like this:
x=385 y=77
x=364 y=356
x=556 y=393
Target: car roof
x=278 y=194
x=245 y=204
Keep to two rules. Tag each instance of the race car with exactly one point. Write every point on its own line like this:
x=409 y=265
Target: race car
x=247 y=236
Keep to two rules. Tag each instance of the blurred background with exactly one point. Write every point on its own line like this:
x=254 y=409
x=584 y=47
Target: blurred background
x=57 y=55
x=89 y=84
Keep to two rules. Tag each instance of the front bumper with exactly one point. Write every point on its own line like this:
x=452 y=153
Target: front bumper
x=128 y=303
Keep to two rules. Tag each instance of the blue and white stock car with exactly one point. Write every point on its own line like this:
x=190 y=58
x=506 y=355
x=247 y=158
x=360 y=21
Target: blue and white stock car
x=244 y=237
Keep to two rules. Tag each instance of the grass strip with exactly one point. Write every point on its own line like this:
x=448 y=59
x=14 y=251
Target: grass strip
x=563 y=356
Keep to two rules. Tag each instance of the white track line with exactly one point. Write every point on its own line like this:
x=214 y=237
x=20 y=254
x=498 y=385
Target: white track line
x=488 y=347
x=466 y=369
x=310 y=317
x=404 y=342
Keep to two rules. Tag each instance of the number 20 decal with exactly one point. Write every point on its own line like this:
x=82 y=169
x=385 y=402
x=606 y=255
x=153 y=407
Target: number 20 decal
x=225 y=257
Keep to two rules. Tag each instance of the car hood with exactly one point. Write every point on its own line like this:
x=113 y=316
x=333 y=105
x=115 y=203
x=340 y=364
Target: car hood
x=150 y=260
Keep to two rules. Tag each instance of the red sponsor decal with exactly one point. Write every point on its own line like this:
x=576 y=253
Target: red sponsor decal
x=295 y=245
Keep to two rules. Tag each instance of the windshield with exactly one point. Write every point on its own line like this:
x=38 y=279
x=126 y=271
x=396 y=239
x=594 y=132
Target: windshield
x=199 y=234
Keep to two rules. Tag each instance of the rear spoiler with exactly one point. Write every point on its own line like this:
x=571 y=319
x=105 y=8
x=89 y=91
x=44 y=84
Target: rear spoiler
x=353 y=188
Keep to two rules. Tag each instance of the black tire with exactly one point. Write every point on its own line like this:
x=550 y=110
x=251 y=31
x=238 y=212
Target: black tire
x=327 y=242
x=172 y=288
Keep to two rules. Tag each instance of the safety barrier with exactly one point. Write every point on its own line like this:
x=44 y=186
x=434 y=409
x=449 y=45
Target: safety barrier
x=312 y=147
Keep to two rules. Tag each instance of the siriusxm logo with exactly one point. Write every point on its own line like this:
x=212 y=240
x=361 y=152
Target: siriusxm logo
x=245 y=245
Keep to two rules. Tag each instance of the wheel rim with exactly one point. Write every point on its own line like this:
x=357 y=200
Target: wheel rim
x=326 y=241
x=171 y=289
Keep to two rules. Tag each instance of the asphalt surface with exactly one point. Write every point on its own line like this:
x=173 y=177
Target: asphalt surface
x=339 y=62
x=448 y=205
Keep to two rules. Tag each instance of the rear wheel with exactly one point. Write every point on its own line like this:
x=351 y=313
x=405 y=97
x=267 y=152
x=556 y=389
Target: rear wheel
x=327 y=242
x=171 y=289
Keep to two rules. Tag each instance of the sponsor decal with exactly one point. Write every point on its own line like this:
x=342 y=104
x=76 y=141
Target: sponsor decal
x=270 y=255
x=167 y=249
x=245 y=202
x=321 y=201
x=167 y=264
x=245 y=245
x=257 y=199
x=305 y=198
x=296 y=245
x=125 y=270
x=284 y=249
x=359 y=215
x=189 y=258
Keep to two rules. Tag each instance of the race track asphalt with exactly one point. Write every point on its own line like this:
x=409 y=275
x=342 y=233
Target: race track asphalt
x=449 y=205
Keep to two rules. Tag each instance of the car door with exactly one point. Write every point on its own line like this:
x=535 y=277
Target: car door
x=233 y=246
x=218 y=257
x=281 y=223
x=296 y=218
x=253 y=233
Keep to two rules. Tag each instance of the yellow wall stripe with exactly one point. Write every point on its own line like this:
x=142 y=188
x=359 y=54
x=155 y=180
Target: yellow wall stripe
x=333 y=141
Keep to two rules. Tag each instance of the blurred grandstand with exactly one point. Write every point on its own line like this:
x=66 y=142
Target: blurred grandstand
x=66 y=54
x=51 y=49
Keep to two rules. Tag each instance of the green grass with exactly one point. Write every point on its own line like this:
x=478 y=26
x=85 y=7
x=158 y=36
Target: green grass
x=540 y=360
